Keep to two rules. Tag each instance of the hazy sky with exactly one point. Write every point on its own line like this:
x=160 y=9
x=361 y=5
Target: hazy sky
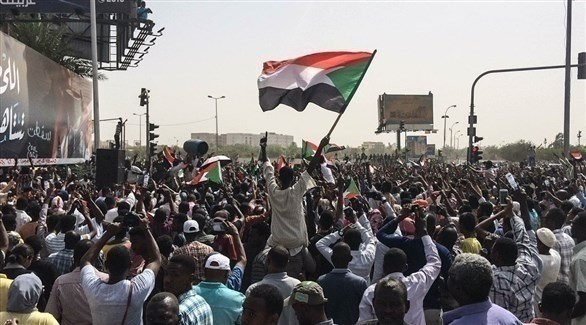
x=218 y=47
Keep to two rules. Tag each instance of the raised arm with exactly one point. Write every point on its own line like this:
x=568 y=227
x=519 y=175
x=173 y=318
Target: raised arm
x=153 y=256
x=315 y=159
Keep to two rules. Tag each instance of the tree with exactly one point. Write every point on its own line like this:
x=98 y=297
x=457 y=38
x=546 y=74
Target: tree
x=50 y=40
x=558 y=142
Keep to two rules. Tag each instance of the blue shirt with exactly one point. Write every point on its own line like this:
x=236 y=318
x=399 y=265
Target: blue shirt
x=234 y=281
x=344 y=290
x=226 y=303
x=413 y=248
x=483 y=313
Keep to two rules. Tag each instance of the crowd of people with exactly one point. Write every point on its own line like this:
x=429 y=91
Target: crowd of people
x=324 y=242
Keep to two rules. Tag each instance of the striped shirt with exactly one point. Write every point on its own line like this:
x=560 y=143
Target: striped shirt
x=55 y=242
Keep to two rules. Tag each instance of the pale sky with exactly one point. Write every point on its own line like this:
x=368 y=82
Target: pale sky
x=217 y=48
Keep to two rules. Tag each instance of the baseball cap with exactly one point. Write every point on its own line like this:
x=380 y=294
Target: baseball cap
x=190 y=227
x=546 y=236
x=218 y=261
x=307 y=292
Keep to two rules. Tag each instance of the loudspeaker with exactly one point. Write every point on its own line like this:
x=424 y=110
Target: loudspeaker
x=195 y=147
x=109 y=167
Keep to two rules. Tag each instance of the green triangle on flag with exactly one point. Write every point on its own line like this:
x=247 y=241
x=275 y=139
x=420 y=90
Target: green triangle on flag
x=215 y=174
x=308 y=149
x=212 y=173
x=351 y=190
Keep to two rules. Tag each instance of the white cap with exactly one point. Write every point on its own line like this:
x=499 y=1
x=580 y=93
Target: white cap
x=218 y=262
x=190 y=227
x=546 y=236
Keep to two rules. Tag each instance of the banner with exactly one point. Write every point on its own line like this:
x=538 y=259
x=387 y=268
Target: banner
x=417 y=145
x=45 y=109
x=66 y=6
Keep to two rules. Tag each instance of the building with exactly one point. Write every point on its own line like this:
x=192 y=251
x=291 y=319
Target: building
x=250 y=139
x=374 y=147
x=210 y=138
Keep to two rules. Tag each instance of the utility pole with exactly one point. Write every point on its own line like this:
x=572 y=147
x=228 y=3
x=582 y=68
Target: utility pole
x=579 y=136
x=567 y=82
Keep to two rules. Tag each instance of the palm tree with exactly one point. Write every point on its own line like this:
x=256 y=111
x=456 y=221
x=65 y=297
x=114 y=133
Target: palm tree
x=50 y=40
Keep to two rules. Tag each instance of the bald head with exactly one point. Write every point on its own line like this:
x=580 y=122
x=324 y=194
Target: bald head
x=162 y=309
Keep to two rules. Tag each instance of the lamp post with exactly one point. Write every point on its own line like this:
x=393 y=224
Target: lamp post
x=451 y=136
x=217 y=136
x=446 y=117
x=457 y=139
x=139 y=128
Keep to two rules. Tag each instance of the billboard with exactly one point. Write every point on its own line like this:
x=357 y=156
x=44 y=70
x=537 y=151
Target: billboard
x=417 y=145
x=65 y=6
x=45 y=109
x=415 y=110
x=430 y=152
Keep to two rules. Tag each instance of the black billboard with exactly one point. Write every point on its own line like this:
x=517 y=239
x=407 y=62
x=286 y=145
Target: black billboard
x=45 y=109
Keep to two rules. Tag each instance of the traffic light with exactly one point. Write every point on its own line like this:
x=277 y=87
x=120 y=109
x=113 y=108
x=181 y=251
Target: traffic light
x=152 y=149
x=144 y=97
x=439 y=153
x=401 y=125
x=152 y=127
x=582 y=68
x=478 y=139
x=152 y=137
x=476 y=154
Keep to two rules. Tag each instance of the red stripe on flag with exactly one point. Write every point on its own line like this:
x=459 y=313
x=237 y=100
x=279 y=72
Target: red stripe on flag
x=324 y=60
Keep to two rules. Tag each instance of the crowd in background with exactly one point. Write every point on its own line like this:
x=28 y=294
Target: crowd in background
x=324 y=242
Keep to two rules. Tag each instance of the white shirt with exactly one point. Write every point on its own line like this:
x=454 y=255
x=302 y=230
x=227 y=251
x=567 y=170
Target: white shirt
x=285 y=285
x=551 y=269
x=111 y=215
x=108 y=301
x=379 y=256
x=417 y=284
x=288 y=226
x=21 y=218
x=363 y=258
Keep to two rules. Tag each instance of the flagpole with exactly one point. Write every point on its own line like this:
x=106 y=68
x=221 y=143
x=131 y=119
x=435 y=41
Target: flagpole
x=351 y=95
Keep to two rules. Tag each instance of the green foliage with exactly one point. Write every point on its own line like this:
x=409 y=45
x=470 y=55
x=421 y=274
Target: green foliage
x=50 y=40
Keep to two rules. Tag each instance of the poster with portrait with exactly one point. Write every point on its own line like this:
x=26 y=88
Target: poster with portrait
x=417 y=145
x=45 y=109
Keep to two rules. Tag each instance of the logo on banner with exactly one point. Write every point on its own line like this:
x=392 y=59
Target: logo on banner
x=18 y=3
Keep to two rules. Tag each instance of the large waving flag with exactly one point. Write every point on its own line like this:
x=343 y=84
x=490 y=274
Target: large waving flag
x=212 y=173
x=327 y=79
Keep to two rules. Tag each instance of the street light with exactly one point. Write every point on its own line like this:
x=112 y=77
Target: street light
x=139 y=128
x=455 y=136
x=446 y=117
x=217 y=136
x=451 y=137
